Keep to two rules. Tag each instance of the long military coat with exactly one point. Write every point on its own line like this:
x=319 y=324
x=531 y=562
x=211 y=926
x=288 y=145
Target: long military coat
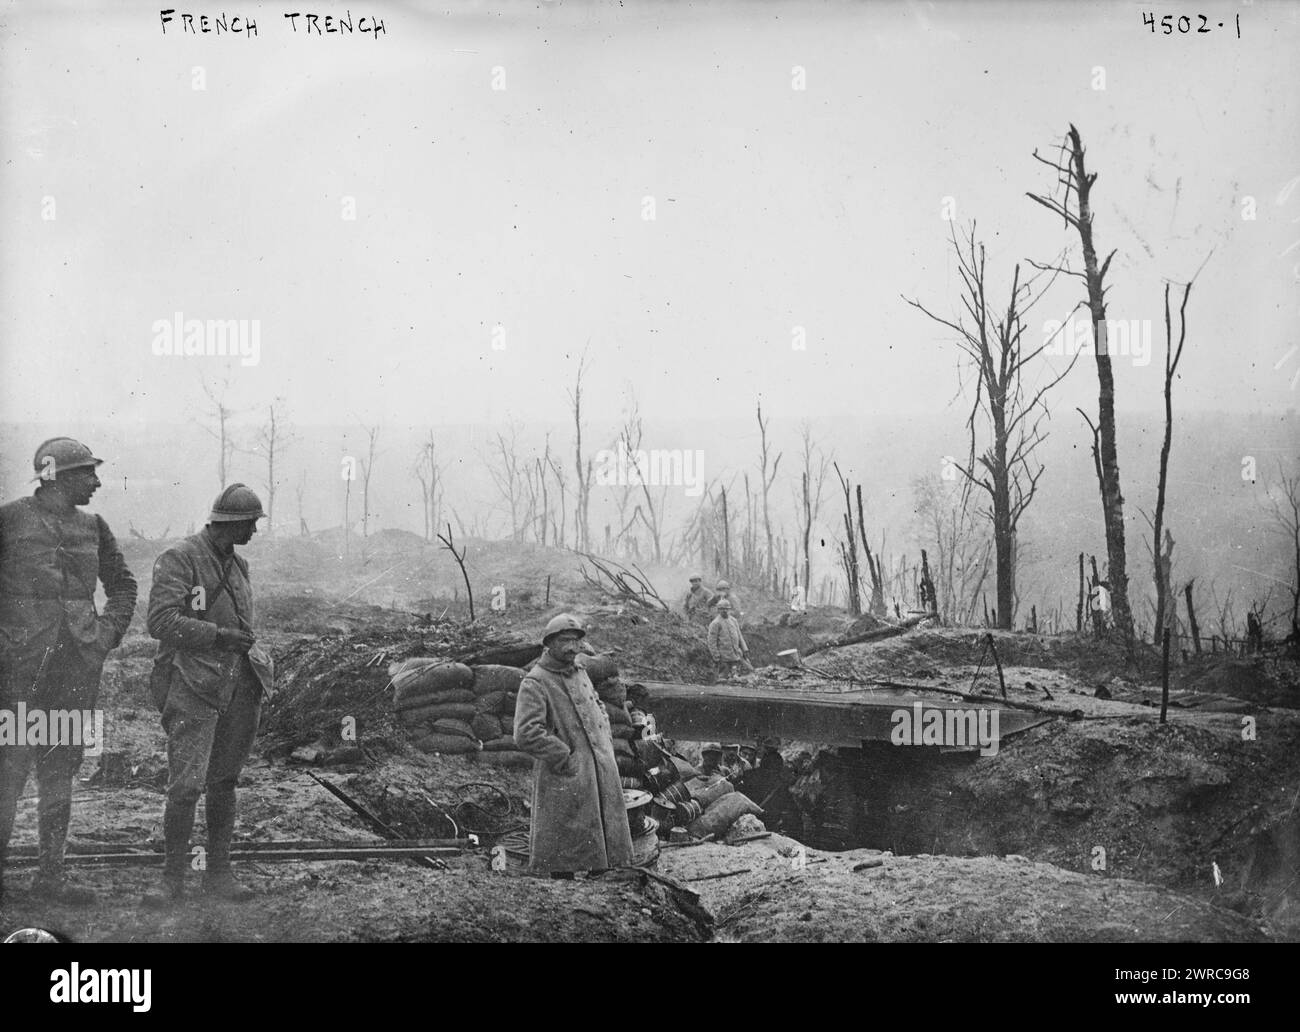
x=579 y=822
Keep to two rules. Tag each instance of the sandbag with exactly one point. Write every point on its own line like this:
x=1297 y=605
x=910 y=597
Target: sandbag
x=507 y=707
x=744 y=826
x=684 y=768
x=709 y=793
x=452 y=726
x=417 y=696
x=626 y=733
x=493 y=678
x=720 y=815
x=438 y=711
x=618 y=716
x=505 y=743
x=431 y=674
x=489 y=703
x=506 y=759
x=622 y=748
x=450 y=744
x=485 y=727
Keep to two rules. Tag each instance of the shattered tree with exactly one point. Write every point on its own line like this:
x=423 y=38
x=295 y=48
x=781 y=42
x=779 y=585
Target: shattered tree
x=1076 y=180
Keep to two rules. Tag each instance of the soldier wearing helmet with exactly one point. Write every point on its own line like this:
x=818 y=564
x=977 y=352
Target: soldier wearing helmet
x=727 y=644
x=209 y=680
x=579 y=821
x=725 y=591
x=696 y=602
x=52 y=640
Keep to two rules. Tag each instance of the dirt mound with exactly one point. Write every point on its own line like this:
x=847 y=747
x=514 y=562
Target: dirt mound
x=1267 y=682
x=1162 y=803
x=936 y=899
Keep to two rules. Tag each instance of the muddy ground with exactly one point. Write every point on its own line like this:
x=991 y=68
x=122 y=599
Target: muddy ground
x=1099 y=824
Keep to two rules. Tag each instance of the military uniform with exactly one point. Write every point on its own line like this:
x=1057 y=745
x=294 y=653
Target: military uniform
x=52 y=647
x=210 y=697
x=696 y=603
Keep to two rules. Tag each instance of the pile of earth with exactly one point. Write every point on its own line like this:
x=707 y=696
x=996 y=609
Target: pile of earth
x=1205 y=804
x=1268 y=682
x=766 y=891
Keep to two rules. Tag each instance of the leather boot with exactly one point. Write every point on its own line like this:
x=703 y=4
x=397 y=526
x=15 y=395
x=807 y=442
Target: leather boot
x=51 y=882
x=178 y=824
x=219 y=880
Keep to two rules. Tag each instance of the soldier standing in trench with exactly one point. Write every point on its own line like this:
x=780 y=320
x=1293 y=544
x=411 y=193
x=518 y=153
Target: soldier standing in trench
x=52 y=641
x=209 y=679
x=579 y=821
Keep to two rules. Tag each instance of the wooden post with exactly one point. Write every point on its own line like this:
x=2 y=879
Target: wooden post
x=1078 y=613
x=548 y=589
x=998 y=663
x=1033 y=618
x=1191 y=619
x=1164 y=678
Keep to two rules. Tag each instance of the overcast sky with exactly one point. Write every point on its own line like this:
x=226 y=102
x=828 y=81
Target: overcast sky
x=522 y=207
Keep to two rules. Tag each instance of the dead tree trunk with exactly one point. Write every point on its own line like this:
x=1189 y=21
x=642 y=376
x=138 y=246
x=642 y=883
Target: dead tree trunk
x=1191 y=619
x=1164 y=586
x=1079 y=181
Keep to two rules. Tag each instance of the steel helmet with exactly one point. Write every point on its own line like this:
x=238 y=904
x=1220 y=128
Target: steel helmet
x=723 y=584
x=708 y=747
x=236 y=504
x=725 y=603
x=62 y=453
x=695 y=577
x=563 y=622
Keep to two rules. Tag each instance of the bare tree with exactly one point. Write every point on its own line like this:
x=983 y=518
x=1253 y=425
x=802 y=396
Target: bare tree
x=367 y=468
x=1013 y=412
x=962 y=553
x=1284 y=507
x=1163 y=568
x=557 y=471
x=766 y=480
x=583 y=504
x=649 y=509
x=220 y=413
x=429 y=473
x=299 y=491
x=508 y=474
x=1072 y=174
x=812 y=480
x=274 y=437
x=448 y=542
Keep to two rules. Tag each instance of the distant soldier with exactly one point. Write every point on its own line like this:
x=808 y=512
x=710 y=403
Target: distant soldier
x=208 y=680
x=724 y=591
x=710 y=758
x=696 y=602
x=52 y=640
x=727 y=644
x=733 y=765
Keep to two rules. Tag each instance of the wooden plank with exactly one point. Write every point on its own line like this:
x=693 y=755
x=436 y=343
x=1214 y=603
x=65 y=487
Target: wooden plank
x=750 y=712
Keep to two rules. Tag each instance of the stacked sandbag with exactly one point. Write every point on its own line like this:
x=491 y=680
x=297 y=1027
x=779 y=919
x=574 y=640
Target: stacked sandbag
x=722 y=813
x=496 y=690
x=709 y=790
x=426 y=690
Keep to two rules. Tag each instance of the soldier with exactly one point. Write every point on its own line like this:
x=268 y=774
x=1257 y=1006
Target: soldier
x=52 y=641
x=727 y=644
x=208 y=680
x=579 y=821
x=696 y=602
x=722 y=592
